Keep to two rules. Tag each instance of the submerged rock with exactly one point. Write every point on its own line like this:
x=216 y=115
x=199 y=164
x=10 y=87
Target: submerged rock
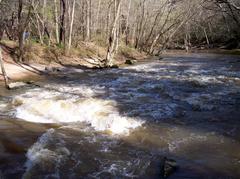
x=130 y=62
x=169 y=167
x=114 y=66
x=161 y=167
x=52 y=69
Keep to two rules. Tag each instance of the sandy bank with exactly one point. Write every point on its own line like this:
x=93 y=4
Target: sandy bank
x=17 y=72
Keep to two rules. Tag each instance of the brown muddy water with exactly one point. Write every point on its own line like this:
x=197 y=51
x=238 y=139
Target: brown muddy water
x=119 y=123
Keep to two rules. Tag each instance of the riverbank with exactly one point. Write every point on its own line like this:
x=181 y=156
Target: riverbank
x=43 y=60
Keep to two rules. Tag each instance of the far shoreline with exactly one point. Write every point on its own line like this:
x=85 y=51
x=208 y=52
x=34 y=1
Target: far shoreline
x=37 y=71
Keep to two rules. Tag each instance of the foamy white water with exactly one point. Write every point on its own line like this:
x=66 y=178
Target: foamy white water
x=52 y=107
x=39 y=155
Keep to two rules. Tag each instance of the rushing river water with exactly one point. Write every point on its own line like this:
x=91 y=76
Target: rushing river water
x=119 y=123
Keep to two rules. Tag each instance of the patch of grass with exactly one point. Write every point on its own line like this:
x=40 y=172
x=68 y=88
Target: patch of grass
x=131 y=53
x=9 y=43
x=90 y=49
x=100 y=40
x=43 y=54
x=33 y=52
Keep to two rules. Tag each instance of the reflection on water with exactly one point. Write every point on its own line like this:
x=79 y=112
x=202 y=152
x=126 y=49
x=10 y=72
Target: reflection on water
x=119 y=123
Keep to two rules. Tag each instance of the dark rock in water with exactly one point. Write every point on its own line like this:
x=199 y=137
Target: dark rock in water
x=160 y=167
x=196 y=107
x=197 y=84
x=108 y=66
x=30 y=82
x=55 y=69
x=169 y=167
x=153 y=170
x=47 y=69
x=160 y=58
x=52 y=69
x=114 y=66
x=129 y=62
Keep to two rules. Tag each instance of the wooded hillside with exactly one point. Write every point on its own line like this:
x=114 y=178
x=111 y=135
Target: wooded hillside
x=146 y=25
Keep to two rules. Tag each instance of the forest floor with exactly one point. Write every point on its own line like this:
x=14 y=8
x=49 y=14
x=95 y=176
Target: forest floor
x=40 y=60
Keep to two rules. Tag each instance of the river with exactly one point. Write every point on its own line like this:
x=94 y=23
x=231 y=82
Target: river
x=119 y=123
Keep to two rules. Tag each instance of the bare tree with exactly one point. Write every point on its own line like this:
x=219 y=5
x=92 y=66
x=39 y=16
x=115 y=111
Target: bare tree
x=56 y=21
x=23 y=21
x=62 y=22
x=113 y=37
x=71 y=25
x=3 y=69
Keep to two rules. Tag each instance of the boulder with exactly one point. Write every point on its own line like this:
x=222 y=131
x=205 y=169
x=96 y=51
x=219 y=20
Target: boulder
x=169 y=167
x=130 y=62
x=52 y=69
x=160 y=167
x=114 y=66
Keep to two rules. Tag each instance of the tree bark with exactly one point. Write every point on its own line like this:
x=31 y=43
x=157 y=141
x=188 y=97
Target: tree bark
x=141 y=24
x=56 y=21
x=98 y=12
x=126 y=33
x=113 y=38
x=3 y=70
x=22 y=24
x=71 y=25
x=88 y=13
x=206 y=36
x=62 y=22
x=20 y=30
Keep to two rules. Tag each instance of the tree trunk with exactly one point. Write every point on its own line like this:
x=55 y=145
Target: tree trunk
x=56 y=21
x=62 y=22
x=88 y=13
x=22 y=24
x=71 y=25
x=108 y=19
x=3 y=70
x=113 y=37
x=126 y=33
x=20 y=30
x=98 y=12
x=140 y=25
x=206 y=36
